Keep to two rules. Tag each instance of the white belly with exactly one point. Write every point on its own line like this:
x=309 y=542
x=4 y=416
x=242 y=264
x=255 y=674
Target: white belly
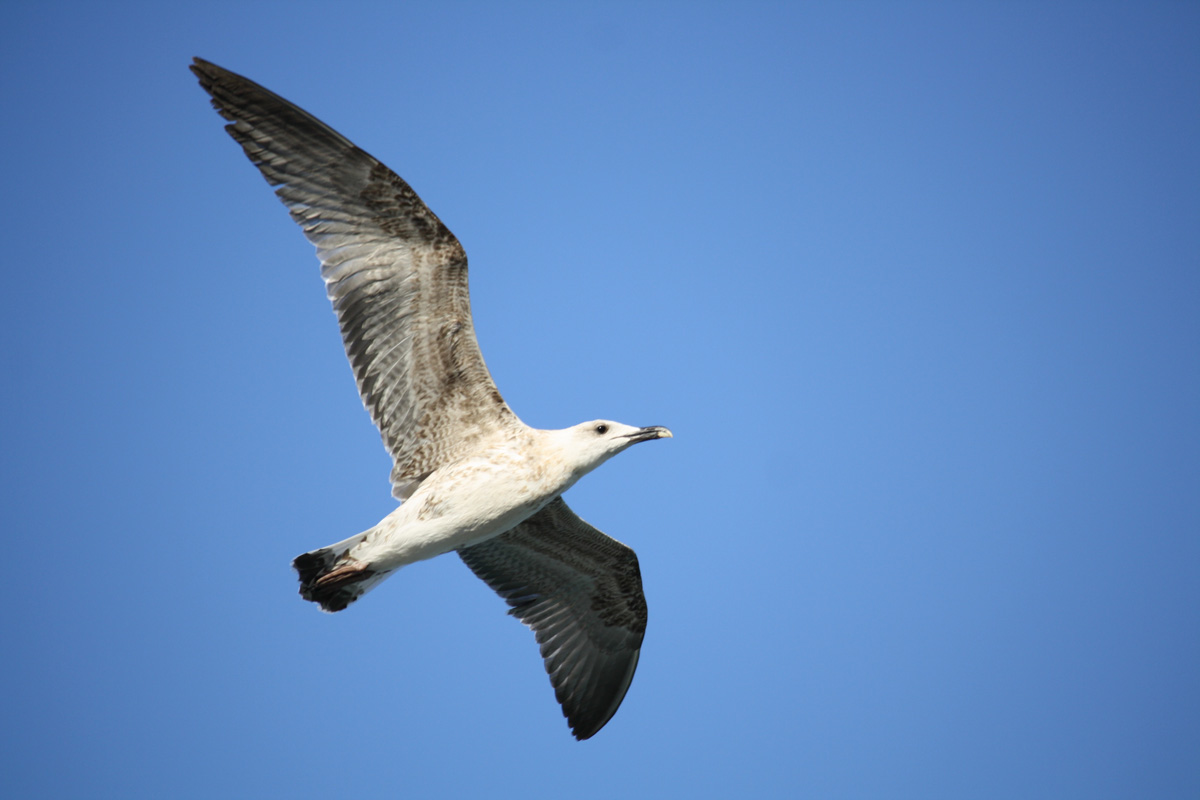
x=460 y=505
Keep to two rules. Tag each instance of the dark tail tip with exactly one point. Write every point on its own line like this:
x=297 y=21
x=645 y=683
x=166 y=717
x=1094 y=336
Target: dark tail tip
x=323 y=580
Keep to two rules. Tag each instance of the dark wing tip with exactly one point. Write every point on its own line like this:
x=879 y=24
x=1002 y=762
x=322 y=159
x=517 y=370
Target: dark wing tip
x=588 y=718
x=214 y=79
x=207 y=72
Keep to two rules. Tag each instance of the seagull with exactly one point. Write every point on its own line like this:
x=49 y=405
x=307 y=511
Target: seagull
x=470 y=476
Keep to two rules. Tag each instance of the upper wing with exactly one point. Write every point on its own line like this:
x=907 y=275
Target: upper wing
x=396 y=276
x=581 y=593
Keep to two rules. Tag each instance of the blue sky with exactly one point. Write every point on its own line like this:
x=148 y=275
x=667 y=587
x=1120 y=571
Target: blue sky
x=917 y=287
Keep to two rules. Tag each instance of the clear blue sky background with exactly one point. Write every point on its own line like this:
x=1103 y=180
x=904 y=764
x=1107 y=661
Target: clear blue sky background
x=917 y=286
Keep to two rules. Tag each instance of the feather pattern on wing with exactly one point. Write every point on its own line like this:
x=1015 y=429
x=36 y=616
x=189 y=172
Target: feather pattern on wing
x=395 y=274
x=581 y=593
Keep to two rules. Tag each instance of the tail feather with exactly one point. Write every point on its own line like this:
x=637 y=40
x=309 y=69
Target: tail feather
x=332 y=579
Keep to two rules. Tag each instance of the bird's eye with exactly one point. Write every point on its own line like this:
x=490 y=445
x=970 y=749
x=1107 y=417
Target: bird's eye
x=601 y=429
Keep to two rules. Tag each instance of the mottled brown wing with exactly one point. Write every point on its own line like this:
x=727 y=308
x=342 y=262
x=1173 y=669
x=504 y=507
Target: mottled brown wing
x=581 y=593
x=395 y=274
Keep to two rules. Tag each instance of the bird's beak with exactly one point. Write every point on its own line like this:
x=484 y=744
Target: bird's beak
x=646 y=434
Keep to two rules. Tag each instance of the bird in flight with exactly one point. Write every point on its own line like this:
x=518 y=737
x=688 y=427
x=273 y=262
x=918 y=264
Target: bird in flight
x=471 y=477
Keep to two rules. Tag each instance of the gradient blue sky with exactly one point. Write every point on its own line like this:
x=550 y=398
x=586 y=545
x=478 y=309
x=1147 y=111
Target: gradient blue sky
x=917 y=286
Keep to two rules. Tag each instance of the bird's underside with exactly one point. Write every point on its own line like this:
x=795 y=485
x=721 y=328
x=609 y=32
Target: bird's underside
x=397 y=279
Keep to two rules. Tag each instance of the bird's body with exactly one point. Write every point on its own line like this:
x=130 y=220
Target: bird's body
x=471 y=476
x=506 y=480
